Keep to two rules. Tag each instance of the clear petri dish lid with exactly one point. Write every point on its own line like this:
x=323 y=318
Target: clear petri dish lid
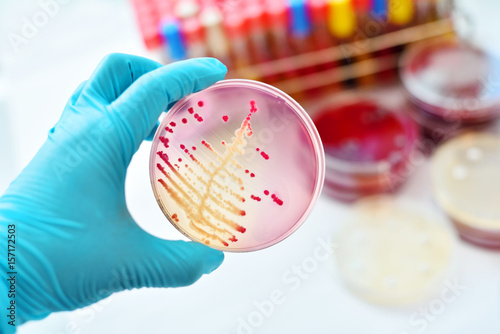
x=466 y=179
x=362 y=137
x=393 y=252
x=451 y=79
x=237 y=166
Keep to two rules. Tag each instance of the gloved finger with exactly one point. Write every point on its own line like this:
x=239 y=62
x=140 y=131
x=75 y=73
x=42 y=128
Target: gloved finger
x=76 y=94
x=165 y=263
x=116 y=72
x=151 y=135
x=143 y=102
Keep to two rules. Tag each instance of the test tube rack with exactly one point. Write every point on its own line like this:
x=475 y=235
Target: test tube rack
x=298 y=46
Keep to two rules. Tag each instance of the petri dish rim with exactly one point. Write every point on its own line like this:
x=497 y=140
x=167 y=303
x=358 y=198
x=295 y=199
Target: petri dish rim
x=454 y=211
x=445 y=104
x=307 y=123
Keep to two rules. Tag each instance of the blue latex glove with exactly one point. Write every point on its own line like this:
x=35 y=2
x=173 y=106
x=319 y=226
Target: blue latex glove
x=76 y=241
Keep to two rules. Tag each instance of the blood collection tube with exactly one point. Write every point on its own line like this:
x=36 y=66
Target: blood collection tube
x=424 y=11
x=381 y=16
x=256 y=24
x=380 y=9
x=321 y=36
x=299 y=26
x=215 y=37
x=341 y=19
x=186 y=9
x=147 y=20
x=194 y=37
x=174 y=41
x=342 y=25
x=234 y=25
x=276 y=17
x=164 y=9
x=401 y=12
x=366 y=28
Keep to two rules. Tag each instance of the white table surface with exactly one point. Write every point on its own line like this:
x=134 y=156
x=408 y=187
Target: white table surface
x=34 y=86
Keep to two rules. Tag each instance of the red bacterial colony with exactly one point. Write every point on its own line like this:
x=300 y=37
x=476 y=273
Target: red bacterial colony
x=164 y=141
x=201 y=104
x=225 y=118
x=276 y=199
x=258 y=199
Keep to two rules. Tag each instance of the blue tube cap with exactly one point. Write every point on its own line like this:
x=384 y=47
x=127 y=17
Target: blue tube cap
x=300 y=22
x=171 y=33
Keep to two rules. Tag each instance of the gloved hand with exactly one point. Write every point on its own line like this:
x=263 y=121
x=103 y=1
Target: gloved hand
x=76 y=241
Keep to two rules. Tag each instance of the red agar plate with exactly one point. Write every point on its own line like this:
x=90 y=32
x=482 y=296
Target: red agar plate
x=237 y=166
x=452 y=81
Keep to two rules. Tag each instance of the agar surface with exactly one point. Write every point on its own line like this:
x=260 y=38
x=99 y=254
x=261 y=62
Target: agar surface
x=211 y=207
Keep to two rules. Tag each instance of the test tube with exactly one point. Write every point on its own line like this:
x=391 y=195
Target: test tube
x=174 y=40
x=318 y=10
x=276 y=16
x=401 y=12
x=299 y=26
x=186 y=9
x=424 y=11
x=321 y=36
x=341 y=19
x=194 y=37
x=380 y=9
x=256 y=23
x=234 y=25
x=147 y=19
x=342 y=25
x=216 y=39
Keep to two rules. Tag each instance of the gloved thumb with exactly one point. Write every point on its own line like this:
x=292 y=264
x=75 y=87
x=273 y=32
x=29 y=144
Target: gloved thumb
x=166 y=263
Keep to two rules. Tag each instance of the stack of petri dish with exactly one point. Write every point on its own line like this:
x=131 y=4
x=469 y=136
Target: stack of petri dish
x=368 y=148
x=466 y=184
x=237 y=166
x=450 y=86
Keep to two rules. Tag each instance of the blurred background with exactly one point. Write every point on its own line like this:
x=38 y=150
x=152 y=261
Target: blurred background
x=325 y=54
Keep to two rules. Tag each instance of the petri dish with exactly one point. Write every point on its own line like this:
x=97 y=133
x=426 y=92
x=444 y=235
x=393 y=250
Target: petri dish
x=394 y=252
x=367 y=148
x=466 y=184
x=451 y=84
x=237 y=166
